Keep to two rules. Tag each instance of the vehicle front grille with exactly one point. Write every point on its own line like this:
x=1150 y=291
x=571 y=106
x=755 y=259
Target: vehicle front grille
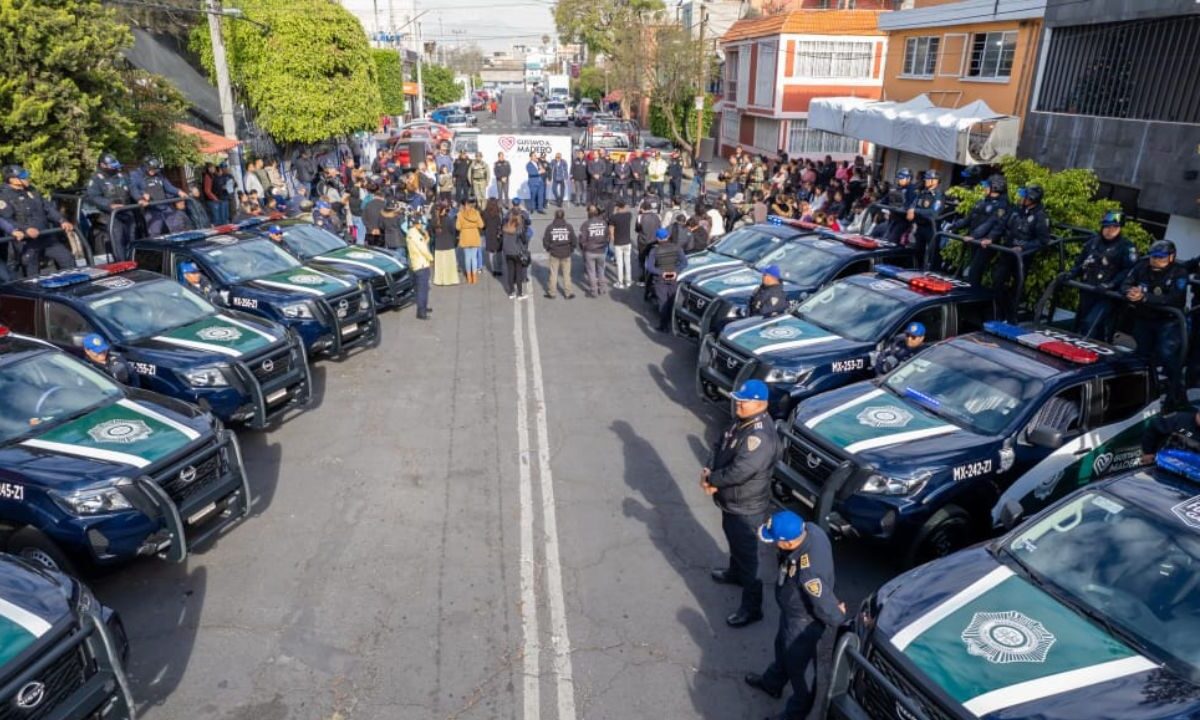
x=726 y=363
x=61 y=679
x=695 y=301
x=879 y=702
x=199 y=473
x=271 y=365
x=803 y=456
x=346 y=307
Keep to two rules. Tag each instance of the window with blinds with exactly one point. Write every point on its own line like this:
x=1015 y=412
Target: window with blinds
x=833 y=59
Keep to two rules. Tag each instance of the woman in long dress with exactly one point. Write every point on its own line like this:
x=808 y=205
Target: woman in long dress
x=445 y=240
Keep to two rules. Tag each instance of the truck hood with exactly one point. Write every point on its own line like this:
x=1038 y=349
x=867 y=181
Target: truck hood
x=360 y=261
x=1004 y=649
x=218 y=334
x=706 y=262
x=32 y=601
x=303 y=281
x=787 y=339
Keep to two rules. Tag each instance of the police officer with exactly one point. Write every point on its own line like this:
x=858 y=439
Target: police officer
x=924 y=211
x=1157 y=281
x=1027 y=230
x=1104 y=262
x=807 y=606
x=108 y=190
x=769 y=299
x=900 y=201
x=986 y=221
x=1180 y=428
x=25 y=214
x=323 y=217
x=738 y=477
x=275 y=234
x=97 y=351
x=198 y=283
x=637 y=166
x=148 y=185
x=901 y=348
x=664 y=262
x=675 y=175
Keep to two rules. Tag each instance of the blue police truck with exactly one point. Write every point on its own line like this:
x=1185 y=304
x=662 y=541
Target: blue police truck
x=1088 y=610
x=95 y=473
x=242 y=368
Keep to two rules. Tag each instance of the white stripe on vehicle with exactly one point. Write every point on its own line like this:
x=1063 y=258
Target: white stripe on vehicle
x=759 y=325
x=793 y=344
x=708 y=266
x=248 y=326
x=957 y=601
x=735 y=289
x=356 y=263
x=889 y=440
x=293 y=288
x=1044 y=687
x=196 y=345
x=329 y=277
x=32 y=624
x=813 y=422
x=179 y=427
x=88 y=452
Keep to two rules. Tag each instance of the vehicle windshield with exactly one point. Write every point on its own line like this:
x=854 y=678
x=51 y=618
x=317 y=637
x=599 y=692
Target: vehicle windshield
x=47 y=389
x=1131 y=570
x=747 y=244
x=610 y=141
x=853 y=311
x=802 y=263
x=308 y=240
x=249 y=260
x=978 y=394
x=148 y=309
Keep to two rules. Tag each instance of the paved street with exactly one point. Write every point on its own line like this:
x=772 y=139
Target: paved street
x=493 y=515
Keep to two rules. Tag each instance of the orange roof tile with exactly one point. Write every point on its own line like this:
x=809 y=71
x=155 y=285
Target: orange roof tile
x=809 y=22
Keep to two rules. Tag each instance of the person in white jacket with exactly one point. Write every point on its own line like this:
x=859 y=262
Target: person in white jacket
x=716 y=224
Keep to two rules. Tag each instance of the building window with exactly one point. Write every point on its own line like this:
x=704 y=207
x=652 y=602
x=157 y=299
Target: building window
x=766 y=134
x=731 y=76
x=920 y=56
x=833 y=59
x=730 y=122
x=806 y=142
x=992 y=54
x=1124 y=70
x=764 y=74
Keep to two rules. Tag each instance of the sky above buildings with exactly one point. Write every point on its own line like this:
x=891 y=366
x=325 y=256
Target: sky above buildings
x=493 y=25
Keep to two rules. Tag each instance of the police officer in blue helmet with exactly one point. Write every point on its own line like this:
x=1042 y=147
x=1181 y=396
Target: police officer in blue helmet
x=97 y=351
x=901 y=348
x=1104 y=262
x=1154 y=284
x=196 y=281
x=769 y=299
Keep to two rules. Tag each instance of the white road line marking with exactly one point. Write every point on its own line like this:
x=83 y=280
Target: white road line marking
x=531 y=657
x=558 y=612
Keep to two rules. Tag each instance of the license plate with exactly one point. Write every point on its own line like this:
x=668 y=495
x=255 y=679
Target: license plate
x=350 y=329
x=202 y=513
x=277 y=396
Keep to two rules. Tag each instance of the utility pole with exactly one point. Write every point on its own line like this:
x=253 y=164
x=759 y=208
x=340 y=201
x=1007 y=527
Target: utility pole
x=420 y=81
x=212 y=8
x=700 y=90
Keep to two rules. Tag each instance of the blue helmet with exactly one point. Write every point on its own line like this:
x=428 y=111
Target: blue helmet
x=108 y=161
x=904 y=174
x=1113 y=218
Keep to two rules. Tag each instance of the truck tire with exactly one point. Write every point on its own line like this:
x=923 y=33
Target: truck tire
x=32 y=545
x=948 y=530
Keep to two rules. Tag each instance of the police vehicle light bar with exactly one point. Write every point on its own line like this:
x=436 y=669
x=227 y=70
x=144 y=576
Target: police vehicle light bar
x=119 y=267
x=1041 y=343
x=915 y=280
x=777 y=220
x=1179 y=462
x=60 y=280
x=4 y=331
x=859 y=241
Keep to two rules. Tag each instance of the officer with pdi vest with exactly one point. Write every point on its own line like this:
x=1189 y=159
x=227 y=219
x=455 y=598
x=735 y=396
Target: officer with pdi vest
x=738 y=477
x=664 y=262
x=25 y=214
x=1104 y=262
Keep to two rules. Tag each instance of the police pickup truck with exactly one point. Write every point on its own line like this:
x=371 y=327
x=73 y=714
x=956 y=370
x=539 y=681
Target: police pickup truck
x=94 y=473
x=330 y=312
x=919 y=457
x=62 y=651
x=806 y=264
x=388 y=277
x=1087 y=610
x=239 y=367
x=832 y=339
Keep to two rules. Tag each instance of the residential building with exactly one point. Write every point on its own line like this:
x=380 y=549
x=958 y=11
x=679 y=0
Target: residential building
x=777 y=64
x=1119 y=92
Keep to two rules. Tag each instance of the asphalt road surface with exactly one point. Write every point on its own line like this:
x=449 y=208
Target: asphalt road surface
x=494 y=515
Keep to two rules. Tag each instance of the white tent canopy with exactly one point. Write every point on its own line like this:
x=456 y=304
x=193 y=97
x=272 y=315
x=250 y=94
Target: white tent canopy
x=968 y=135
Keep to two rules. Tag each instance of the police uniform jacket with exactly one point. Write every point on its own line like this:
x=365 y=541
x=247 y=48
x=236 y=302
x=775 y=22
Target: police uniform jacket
x=104 y=191
x=637 y=166
x=24 y=209
x=579 y=169
x=768 y=301
x=928 y=204
x=675 y=170
x=804 y=587
x=1027 y=228
x=896 y=352
x=157 y=187
x=1103 y=263
x=986 y=219
x=1176 y=425
x=1166 y=287
x=742 y=464
x=666 y=257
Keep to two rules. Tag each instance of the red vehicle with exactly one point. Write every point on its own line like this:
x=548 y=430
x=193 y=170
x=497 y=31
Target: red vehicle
x=426 y=128
x=401 y=152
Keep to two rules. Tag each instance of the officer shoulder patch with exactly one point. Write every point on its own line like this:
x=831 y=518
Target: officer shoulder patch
x=804 y=563
x=1000 y=212
x=3 y=205
x=813 y=587
x=753 y=442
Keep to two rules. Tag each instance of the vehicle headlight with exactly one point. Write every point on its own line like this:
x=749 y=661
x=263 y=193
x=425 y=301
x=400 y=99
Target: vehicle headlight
x=735 y=312
x=93 y=501
x=302 y=310
x=877 y=484
x=206 y=377
x=790 y=376
x=85 y=601
x=364 y=302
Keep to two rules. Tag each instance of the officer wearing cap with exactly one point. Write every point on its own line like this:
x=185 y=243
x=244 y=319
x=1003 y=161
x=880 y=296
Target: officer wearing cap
x=107 y=191
x=1157 y=281
x=148 y=185
x=924 y=213
x=97 y=351
x=738 y=477
x=24 y=214
x=197 y=282
x=664 y=263
x=807 y=606
x=1104 y=262
x=275 y=233
x=769 y=299
x=901 y=348
x=1027 y=231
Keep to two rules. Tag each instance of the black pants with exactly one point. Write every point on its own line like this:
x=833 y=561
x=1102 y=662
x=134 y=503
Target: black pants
x=796 y=663
x=741 y=532
x=422 y=278
x=1004 y=272
x=1158 y=340
x=462 y=191
x=515 y=278
x=55 y=250
x=664 y=292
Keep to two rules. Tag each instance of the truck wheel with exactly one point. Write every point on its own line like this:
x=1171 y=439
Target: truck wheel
x=948 y=530
x=32 y=545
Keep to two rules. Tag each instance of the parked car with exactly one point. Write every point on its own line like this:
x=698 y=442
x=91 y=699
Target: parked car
x=555 y=113
x=583 y=113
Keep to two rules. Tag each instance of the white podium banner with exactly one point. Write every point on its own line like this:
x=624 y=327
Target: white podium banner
x=516 y=149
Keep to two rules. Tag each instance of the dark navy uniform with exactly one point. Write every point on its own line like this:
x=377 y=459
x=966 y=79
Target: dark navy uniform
x=899 y=200
x=807 y=606
x=24 y=209
x=1158 y=337
x=115 y=368
x=986 y=221
x=153 y=188
x=1104 y=264
x=1027 y=230
x=104 y=193
x=741 y=468
x=768 y=301
x=1178 y=427
x=664 y=262
x=896 y=352
x=926 y=208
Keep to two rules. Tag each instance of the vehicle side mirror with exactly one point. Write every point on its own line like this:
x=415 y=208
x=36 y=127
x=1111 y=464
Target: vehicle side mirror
x=1010 y=514
x=1045 y=437
x=77 y=339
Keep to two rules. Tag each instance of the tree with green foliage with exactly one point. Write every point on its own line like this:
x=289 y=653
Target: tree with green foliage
x=440 y=87
x=389 y=75
x=154 y=106
x=1070 y=200
x=61 y=89
x=309 y=77
x=673 y=109
x=590 y=83
x=598 y=24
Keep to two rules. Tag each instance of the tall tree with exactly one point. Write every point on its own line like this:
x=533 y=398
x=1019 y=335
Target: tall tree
x=61 y=90
x=440 y=87
x=309 y=77
x=390 y=76
x=599 y=23
x=153 y=105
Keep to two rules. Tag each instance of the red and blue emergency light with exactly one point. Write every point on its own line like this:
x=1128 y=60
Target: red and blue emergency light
x=915 y=279
x=1042 y=343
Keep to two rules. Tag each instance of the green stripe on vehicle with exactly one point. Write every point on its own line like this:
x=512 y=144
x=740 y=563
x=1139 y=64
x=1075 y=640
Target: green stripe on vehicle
x=219 y=333
x=13 y=639
x=114 y=428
